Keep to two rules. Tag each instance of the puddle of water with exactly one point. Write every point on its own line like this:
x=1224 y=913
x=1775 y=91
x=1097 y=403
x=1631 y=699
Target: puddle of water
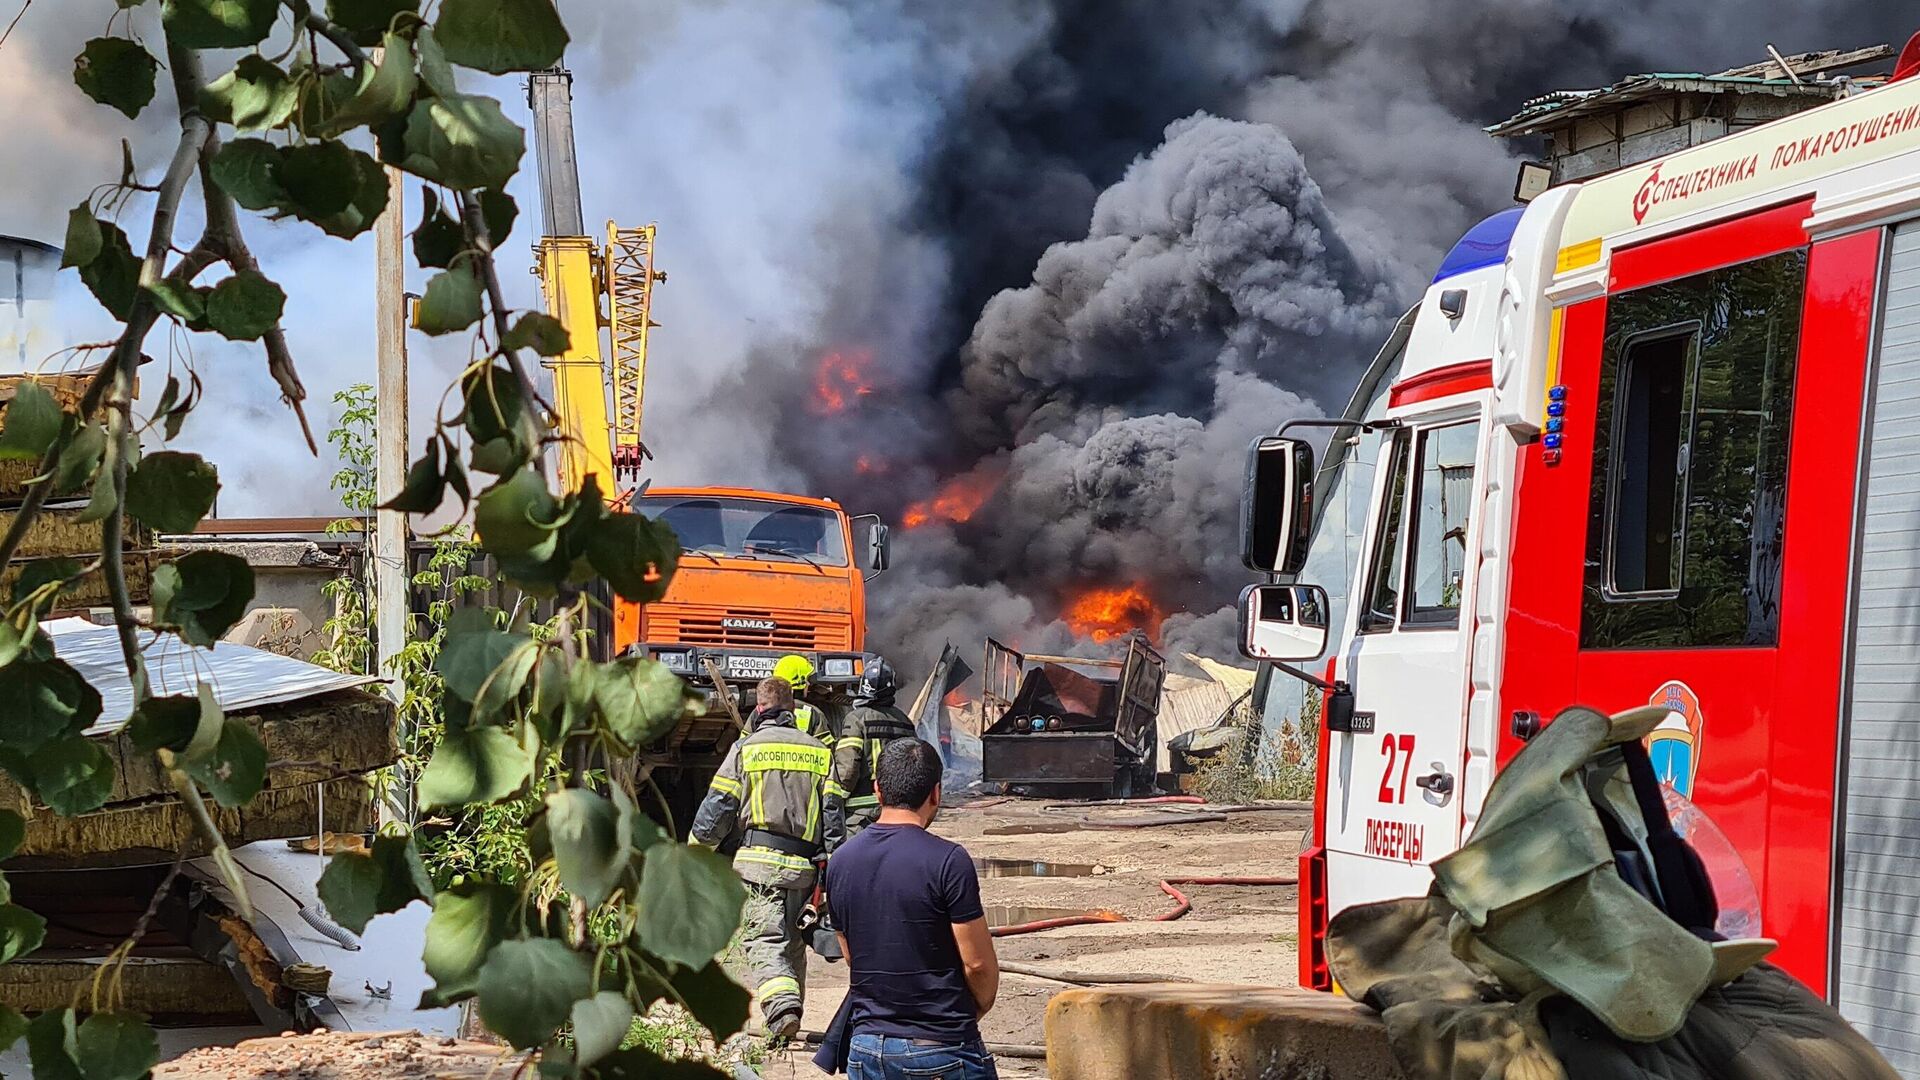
x=1034 y=868
x=1013 y=914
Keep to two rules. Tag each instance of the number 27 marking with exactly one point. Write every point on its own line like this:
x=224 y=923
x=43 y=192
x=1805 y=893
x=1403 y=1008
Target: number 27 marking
x=1393 y=746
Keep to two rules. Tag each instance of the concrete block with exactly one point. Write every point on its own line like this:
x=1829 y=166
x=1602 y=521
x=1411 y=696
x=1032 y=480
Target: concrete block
x=1208 y=1031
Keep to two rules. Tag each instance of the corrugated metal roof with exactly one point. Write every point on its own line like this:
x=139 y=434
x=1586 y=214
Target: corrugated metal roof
x=241 y=677
x=1563 y=106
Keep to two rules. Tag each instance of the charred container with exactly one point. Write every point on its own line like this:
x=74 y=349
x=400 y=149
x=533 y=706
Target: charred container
x=1070 y=720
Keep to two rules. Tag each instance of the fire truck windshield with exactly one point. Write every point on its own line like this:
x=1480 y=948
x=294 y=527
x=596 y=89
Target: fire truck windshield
x=750 y=528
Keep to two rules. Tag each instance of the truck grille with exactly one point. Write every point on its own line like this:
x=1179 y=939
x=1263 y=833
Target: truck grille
x=795 y=632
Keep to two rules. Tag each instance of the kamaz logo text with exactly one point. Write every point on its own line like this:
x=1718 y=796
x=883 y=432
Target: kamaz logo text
x=749 y=624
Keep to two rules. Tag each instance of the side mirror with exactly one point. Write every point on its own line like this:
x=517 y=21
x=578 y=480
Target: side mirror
x=1276 y=510
x=879 y=547
x=1283 y=622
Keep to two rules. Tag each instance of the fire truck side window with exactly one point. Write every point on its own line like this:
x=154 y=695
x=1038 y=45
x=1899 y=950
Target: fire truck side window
x=1383 y=574
x=1437 y=556
x=1687 y=515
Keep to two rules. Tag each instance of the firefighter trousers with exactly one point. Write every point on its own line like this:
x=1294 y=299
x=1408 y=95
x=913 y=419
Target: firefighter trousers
x=776 y=950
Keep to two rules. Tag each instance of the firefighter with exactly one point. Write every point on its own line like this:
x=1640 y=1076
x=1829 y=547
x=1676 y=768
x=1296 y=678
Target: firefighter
x=874 y=722
x=810 y=718
x=776 y=785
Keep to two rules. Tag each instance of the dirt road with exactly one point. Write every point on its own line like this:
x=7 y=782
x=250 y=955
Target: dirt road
x=1233 y=933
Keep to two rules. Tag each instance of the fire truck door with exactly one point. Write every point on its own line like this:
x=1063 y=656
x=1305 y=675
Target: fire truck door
x=1393 y=802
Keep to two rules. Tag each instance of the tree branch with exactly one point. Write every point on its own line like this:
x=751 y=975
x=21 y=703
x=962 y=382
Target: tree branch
x=340 y=39
x=476 y=224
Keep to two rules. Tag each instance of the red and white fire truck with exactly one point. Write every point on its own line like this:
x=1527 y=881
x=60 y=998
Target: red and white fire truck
x=1654 y=437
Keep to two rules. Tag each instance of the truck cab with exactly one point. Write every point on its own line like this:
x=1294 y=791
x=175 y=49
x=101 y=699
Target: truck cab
x=761 y=575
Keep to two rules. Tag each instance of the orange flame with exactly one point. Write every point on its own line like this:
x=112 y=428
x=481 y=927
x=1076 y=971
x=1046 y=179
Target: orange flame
x=957 y=500
x=1105 y=613
x=866 y=465
x=841 y=377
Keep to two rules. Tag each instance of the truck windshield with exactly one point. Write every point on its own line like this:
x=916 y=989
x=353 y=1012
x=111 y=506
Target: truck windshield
x=751 y=527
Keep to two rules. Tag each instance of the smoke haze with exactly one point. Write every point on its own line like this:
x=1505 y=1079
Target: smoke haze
x=1023 y=276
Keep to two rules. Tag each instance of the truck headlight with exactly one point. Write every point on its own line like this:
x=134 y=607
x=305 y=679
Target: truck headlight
x=839 y=668
x=678 y=661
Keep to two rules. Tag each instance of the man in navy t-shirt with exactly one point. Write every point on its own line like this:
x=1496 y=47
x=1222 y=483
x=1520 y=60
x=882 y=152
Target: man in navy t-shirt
x=907 y=907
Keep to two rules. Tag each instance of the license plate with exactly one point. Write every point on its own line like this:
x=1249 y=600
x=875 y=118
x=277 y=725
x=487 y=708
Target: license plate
x=749 y=667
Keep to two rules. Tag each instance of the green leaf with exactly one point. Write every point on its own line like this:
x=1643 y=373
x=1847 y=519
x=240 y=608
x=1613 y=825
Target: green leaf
x=435 y=72
x=369 y=200
x=217 y=24
x=639 y=699
x=468 y=921
x=113 y=274
x=501 y=36
x=426 y=486
x=356 y=887
x=255 y=96
x=323 y=96
x=170 y=721
x=477 y=765
x=368 y=20
x=249 y=170
x=319 y=178
x=52 y=1046
x=12 y=1027
x=497 y=420
x=689 y=902
x=39 y=574
x=439 y=239
x=451 y=303
x=13 y=829
x=116 y=72
x=497 y=212
x=30 y=423
x=502 y=686
x=81 y=458
x=245 y=306
x=83 y=237
x=518 y=516
x=172 y=490
x=72 y=776
x=236 y=769
x=527 y=989
x=44 y=700
x=474 y=648
x=385 y=90
x=117 y=1046
x=21 y=932
x=718 y=1002
x=600 y=1024
x=541 y=333
x=100 y=503
x=462 y=141
x=202 y=594
x=592 y=842
x=183 y=302
x=637 y=556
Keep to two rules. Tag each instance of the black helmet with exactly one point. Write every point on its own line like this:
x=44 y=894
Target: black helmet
x=877 y=683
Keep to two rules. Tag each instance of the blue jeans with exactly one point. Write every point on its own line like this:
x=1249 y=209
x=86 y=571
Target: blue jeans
x=878 y=1057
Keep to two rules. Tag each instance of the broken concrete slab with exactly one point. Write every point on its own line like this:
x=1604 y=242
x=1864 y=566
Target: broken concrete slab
x=1214 y=1031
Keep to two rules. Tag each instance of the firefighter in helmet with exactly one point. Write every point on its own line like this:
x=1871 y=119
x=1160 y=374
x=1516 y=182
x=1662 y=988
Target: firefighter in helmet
x=776 y=785
x=874 y=722
x=810 y=718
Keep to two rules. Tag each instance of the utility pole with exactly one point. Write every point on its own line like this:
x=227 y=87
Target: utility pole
x=391 y=565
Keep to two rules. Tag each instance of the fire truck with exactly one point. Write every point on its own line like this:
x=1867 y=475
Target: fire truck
x=1651 y=438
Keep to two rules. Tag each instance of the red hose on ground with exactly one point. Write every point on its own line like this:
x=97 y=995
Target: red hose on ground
x=1182 y=905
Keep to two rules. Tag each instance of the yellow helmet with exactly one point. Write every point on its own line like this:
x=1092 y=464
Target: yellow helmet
x=795 y=669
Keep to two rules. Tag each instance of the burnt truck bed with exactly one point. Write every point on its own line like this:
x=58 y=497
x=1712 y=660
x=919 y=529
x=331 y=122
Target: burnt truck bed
x=1072 y=720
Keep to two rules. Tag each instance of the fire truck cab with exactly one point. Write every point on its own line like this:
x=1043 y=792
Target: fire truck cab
x=1651 y=438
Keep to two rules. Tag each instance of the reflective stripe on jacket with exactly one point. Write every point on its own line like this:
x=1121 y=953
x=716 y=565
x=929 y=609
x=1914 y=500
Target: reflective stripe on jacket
x=775 y=780
x=863 y=734
x=813 y=720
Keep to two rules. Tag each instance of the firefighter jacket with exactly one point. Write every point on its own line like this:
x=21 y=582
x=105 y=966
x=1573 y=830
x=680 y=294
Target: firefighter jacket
x=863 y=734
x=810 y=719
x=774 y=785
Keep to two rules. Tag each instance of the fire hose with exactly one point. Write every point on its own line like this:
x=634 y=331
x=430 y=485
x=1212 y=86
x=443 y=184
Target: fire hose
x=1182 y=905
